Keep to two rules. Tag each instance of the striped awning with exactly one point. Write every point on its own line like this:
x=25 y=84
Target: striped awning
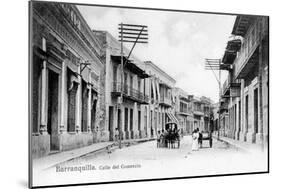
x=172 y=118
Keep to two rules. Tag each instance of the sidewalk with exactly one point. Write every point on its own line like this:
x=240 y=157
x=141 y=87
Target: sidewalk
x=244 y=146
x=54 y=159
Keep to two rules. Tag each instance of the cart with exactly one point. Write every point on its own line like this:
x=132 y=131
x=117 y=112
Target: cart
x=170 y=138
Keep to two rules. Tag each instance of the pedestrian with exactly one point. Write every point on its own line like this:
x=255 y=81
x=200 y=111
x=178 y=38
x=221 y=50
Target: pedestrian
x=158 y=139
x=211 y=139
x=195 y=136
x=116 y=134
x=162 y=139
x=200 y=138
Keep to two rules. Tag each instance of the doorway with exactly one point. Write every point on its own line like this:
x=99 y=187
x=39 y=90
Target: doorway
x=119 y=123
x=131 y=123
x=85 y=93
x=256 y=110
x=52 y=124
x=93 y=113
x=110 y=123
x=246 y=113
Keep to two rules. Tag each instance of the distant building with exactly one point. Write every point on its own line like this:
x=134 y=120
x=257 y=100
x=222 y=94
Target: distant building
x=215 y=116
x=208 y=113
x=184 y=110
x=245 y=92
x=198 y=113
x=65 y=94
x=159 y=88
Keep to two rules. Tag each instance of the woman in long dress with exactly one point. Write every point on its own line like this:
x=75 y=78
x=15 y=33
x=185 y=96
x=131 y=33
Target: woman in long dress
x=195 y=137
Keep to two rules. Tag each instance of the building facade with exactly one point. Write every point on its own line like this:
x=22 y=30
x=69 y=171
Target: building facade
x=184 y=110
x=127 y=113
x=161 y=105
x=202 y=113
x=65 y=87
x=245 y=92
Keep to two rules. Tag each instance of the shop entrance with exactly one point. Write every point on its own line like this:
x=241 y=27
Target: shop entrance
x=52 y=124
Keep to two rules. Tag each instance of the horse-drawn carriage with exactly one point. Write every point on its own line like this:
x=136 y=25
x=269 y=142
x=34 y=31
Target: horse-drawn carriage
x=170 y=138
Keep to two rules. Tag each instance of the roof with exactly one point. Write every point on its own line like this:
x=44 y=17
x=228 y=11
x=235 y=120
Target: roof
x=234 y=45
x=160 y=70
x=229 y=56
x=130 y=66
x=242 y=24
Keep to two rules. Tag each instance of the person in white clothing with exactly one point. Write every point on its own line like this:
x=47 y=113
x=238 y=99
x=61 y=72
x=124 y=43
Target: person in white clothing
x=195 y=136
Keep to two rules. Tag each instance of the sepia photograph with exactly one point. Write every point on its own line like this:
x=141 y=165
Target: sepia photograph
x=123 y=94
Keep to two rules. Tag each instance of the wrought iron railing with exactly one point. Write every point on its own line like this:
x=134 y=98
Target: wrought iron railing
x=250 y=42
x=130 y=92
x=165 y=100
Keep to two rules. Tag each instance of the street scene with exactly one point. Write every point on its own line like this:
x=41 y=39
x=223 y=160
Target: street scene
x=123 y=94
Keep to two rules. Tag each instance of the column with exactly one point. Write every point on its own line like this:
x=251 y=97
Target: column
x=43 y=121
x=78 y=104
x=250 y=133
x=62 y=125
x=135 y=121
x=115 y=120
x=89 y=104
x=259 y=135
x=122 y=121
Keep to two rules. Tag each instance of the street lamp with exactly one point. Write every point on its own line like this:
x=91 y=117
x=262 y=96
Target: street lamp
x=215 y=64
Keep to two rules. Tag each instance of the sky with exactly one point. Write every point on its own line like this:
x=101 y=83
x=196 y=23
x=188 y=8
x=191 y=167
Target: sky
x=178 y=42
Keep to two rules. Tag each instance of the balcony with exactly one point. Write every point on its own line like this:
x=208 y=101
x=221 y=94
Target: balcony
x=226 y=85
x=185 y=112
x=230 y=86
x=248 y=56
x=129 y=93
x=165 y=101
x=224 y=107
x=198 y=111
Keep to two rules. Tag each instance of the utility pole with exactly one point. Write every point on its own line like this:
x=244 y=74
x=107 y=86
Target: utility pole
x=129 y=33
x=215 y=64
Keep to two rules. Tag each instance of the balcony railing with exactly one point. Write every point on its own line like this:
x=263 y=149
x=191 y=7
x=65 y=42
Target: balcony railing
x=198 y=111
x=129 y=92
x=229 y=82
x=185 y=112
x=250 y=43
x=226 y=85
x=165 y=101
x=224 y=106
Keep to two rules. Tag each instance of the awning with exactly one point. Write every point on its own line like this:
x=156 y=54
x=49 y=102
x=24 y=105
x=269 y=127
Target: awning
x=153 y=88
x=164 y=84
x=234 y=45
x=172 y=118
x=132 y=67
x=157 y=88
x=117 y=58
x=242 y=24
x=229 y=56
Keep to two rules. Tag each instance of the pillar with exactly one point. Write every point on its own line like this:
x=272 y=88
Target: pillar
x=43 y=113
x=89 y=116
x=78 y=104
x=62 y=126
x=135 y=121
x=259 y=135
